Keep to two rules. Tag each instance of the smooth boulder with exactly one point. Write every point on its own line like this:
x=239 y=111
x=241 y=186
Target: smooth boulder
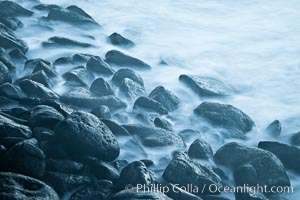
x=118 y=40
x=37 y=90
x=100 y=87
x=121 y=74
x=45 y=116
x=10 y=128
x=166 y=97
x=149 y=105
x=99 y=66
x=131 y=89
x=200 y=149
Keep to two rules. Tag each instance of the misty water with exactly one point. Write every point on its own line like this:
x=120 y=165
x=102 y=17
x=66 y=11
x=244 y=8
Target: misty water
x=252 y=45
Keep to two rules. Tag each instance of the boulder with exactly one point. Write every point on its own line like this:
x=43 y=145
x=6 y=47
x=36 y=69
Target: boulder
x=121 y=74
x=80 y=58
x=102 y=112
x=78 y=75
x=10 y=128
x=47 y=68
x=8 y=40
x=226 y=116
x=43 y=134
x=131 y=89
x=37 y=90
x=205 y=86
x=12 y=9
x=120 y=59
x=149 y=105
x=115 y=128
x=100 y=87
x=64 y=42
x=11 y=22
x=17 y=55
x=163 y=123
x=46 y=7
x=118 y=40
x=63 y=61
x=44 y=116
x=84 y=134
x=295 y=139
x=99 y=66
x=32 y=63
x=64 y=166
x=4 y=74
x=16 y=186
x=40 y=77
x=165 y=97
x=274 y=129
x=10 y=91
x=146 y=118
x=102 y=170
x=6 y=60
x=200 y=149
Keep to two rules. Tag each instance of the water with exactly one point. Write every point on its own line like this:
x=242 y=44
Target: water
x=252 y=45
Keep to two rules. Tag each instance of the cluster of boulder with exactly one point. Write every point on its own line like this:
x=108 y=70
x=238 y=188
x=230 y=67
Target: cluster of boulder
x=67 y=146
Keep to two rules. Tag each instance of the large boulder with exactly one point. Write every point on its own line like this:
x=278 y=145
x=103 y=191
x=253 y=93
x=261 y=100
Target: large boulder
x=184 y=171
x=100 y=87
x=118 y=40
x=200 y=149
x=121 y=74
x=12 y=9
x=205 y=86
x=118 y=58
x=10 y=128
x=99 y=66
x=37 y=90
x=84 y=134
x=166 y=97
x=16 y=187
x=131 y=89
x=226 y=116
x=149 y=105
x=4 y=74
x=8 y=40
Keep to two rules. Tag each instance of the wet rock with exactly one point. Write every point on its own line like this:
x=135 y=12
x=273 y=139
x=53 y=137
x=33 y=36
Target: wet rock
x=12 y=9
x=102 y=170
x=4 y=74
x=98 y=65
x=64 y=166
x=147 y=162
x=63 y=61
x=177 y=193
x=26 y=158
x=9 y=128
x=102 y=112
x=72 y=15
x=149 y=105
x=154 y=137
x=11 y=22
x=41 y=77
x=121 y=74
x=200 y=149
x=135 y=173
x=42 y=134
x=118 y=58
x=53 y=149
x=48 y=69
x=162 y=123
x=17 y=55
x=46 y=7
x=38 y=90
x=45 y=116
x=10 y=91
x=115 y=128
x=77 y=75
x=81 y=58
x=6 y=60
x=100 y=87
x=274 y=128
x=32 y=63
x=8 y=142
x=184 y=171
x=289 y=155
x=295 y=139
x=84 y=98
x=165 y=97
x=205 y=86
x=64 y=42
x=131 y=89
x=16 y=186
x=84 y=134
x=119 y=40
x=135 y=194
x=226 y=116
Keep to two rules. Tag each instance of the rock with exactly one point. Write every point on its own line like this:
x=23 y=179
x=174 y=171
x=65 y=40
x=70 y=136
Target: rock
x=84 y=134
x=149 y=105
x=100 y=87
x=58 y=152
x=72 y=15
x=46 y=7
x=200 y=149
x=9 y=128
x=119 y=40
x=295 y=139
x=115 y=128
x=184 y=171
x=64 y=42
x=64 y=166
x=26 y=158
x=6 y=60
x=63 y=61
x=35 y=89
x=189 y=135
x=162 y=123
x=154 y=137
x=121 y=74
x=177 y=193
x=41 y=77
x=131 y=89
x=45 y=116
x=47 y=68
x=4 y=74
x=42 y=134
x=135 y=173
x=102 y=112
x=205 y=86
x=102 y=170
x=135 y=194
x=274 y=128
x=8 y=40
x=32 y=63
x=11 y=22
x=16 y=186
x=289 y=155
x=165 y=97
x=8 y=142
x=98 y=65
x=146 y=118
x=226 y=116
x=12 y=9
x=147 y=162
x=84 y=98
x=118 y=58
x=77 y=75
x=80 y=58
x=17 y=55
x=10 y=91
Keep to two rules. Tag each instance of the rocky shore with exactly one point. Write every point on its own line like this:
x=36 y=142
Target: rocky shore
x=70 y=145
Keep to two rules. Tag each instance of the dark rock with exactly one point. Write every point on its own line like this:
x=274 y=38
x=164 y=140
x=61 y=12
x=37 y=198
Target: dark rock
x=46 y=7
x=64 y=166
x=84 y=134
x=72 y=15
x=115 y=128
x=63 y=61
x=119 y=40
x=131 y=89
x=84 y=98
x=147 y=118
x=147 y=162
x=9 y=128
x=17 y=55
x=205 y=86
x=200 y=149
x=135 y=194
x=165 y=97
x=41 y=77
x=11 y=22
x=289 y=155
x=162 y=123
x=64 y=42
x=102 y=170
x=154 y=137
x=8 y=142
x=295 y=139
x=32 y=63
x=149 y=105
x=118 y=58
x=45 y=116
x=26 y=158
x=4 y=74
x=226 y=116
x=12 y=9
x=6 y=60
x=121 y=74
x=64 y=109
x=184 y=171
x=100 y=87
x=10 y=91
x=53 y=149
x=80 y=58
x=16 y=186
x=102 y=112
x=42 y=134
x=98 y=65
x=274 y=128
x=135 y=173
x=77 y=75
x=48 y=69
x=177 y=193
x=35 y=89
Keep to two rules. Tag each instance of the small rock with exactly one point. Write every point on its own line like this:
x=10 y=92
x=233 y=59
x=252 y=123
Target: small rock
x=149 y=105
x=119 y=40
x=165 y=97
x=102 y=112
x=98 y=65
x=121 y=74
x=200 y=149
x=35 y=89
x=100 y=87
x=46 y=7
x=274 y=128
x=64 y=42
